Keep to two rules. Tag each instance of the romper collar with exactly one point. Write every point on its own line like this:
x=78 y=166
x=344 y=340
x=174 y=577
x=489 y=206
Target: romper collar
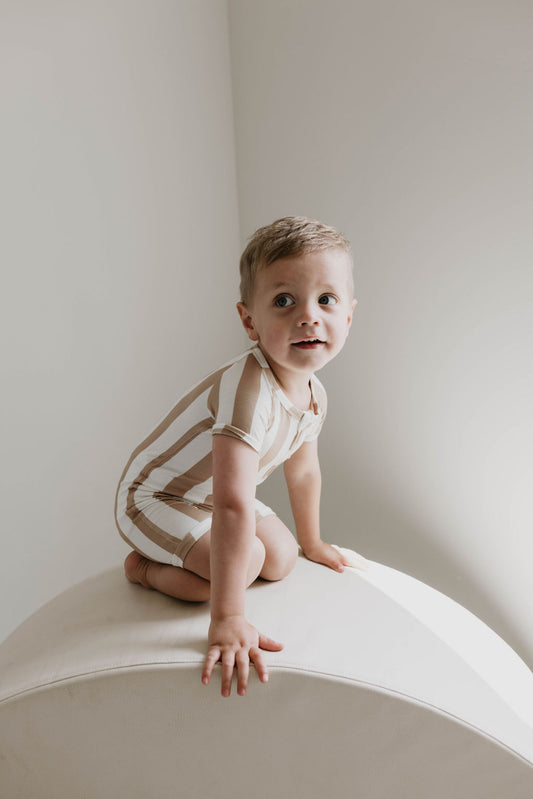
x=284 y=399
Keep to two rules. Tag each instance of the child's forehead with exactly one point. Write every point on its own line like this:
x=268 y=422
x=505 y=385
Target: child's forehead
x=329 y=265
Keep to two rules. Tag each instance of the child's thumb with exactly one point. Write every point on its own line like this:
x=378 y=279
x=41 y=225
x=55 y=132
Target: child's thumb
x=268 y=643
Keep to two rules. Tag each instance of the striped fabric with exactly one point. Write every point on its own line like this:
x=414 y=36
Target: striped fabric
x=171 y=470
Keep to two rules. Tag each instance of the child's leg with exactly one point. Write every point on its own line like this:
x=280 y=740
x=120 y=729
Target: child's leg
x=171 y=580
x=190 y=582
x=197 y=559
x=280 y=547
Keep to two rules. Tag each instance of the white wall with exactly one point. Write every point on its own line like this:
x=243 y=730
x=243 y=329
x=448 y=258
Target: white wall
x=409 y=125
x=119 y=249
x=406 y=124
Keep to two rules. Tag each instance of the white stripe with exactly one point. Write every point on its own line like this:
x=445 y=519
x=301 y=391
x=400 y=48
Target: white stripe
x=184 y=422
x=151 y=550
x=168 y=518
x=262 y=414
x=276 y=415
x=183 y=461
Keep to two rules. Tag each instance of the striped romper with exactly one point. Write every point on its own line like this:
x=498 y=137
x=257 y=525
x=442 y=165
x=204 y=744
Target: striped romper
x=164 y=499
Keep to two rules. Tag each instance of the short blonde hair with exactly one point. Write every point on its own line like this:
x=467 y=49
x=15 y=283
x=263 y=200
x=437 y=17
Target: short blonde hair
x=286 y=237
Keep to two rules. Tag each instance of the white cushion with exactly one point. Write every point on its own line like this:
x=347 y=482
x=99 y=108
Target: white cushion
x=385 y=688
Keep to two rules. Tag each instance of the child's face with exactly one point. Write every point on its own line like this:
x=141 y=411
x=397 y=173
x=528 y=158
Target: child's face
x=301 y=311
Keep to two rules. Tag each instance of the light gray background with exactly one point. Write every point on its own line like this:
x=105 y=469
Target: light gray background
x=142 y=143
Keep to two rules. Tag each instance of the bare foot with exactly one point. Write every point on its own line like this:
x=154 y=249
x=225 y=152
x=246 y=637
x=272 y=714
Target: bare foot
x=135 y=568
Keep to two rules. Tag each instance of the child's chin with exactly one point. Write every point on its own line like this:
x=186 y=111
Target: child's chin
x=312 y=358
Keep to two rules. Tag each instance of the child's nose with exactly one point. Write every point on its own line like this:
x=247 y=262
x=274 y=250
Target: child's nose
x=308 y=315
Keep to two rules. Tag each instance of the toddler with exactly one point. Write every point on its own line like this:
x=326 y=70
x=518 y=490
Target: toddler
x=186 y=500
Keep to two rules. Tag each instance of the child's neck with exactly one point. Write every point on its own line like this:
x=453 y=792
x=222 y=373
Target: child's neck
x=299 y=392
x=295 y=385
x=302 y=401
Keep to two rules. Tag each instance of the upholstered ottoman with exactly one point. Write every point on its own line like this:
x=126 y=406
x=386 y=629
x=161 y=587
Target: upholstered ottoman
x=385 y=689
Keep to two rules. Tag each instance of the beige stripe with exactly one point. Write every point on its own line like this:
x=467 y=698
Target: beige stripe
x=153 y=532
x=186 y=438
x=185 y=545
x=247 y=395
x=162 y=538
x=178 y=409
x=116 y=506
x=184 y=507
x=197 y=474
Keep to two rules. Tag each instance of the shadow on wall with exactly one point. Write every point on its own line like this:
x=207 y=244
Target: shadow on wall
x=363 y=518
x=364 y=522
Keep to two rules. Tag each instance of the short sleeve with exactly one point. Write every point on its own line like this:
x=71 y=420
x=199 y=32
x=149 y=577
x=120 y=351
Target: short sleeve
x=241 y=403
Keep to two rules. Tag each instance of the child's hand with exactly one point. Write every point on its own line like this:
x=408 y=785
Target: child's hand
x=335 y=557
x=235 y=642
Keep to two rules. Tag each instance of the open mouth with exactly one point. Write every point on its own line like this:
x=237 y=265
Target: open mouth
x=309 y=343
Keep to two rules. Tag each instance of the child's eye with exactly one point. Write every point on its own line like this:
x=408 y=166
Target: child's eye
x=283 y=301
x=328 y=299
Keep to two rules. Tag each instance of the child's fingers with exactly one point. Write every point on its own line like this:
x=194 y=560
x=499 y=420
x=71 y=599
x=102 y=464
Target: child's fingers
x=334 y=562
x=356 y=562
x=242 y=662
x=212 y=657
x=351 y=558
x=240 y=658
x=228 y=660
x=338 y=564
x=268 y=643
x=260 y=666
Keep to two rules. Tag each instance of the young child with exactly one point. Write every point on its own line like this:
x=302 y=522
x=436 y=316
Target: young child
x=186 y=500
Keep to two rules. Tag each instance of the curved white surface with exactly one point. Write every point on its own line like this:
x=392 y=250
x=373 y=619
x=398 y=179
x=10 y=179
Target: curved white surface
x=384 y=688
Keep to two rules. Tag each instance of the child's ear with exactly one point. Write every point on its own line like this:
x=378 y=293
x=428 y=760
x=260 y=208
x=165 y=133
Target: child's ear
x=354 y=303
x=247 y=321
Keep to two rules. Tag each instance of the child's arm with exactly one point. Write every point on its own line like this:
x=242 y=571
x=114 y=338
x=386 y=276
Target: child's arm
x=302 y=473
x=231 y=638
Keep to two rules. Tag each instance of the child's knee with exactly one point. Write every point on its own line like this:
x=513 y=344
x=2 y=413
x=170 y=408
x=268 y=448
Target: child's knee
x=280 y=559
x=257 y=560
